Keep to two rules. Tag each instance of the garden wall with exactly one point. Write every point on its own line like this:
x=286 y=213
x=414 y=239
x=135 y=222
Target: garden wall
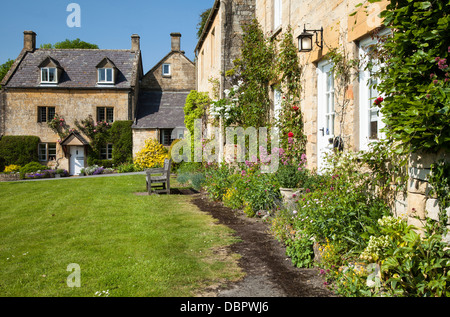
x=420 y=203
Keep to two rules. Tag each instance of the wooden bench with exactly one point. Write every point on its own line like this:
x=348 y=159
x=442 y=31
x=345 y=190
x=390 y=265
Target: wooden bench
x=157 y=183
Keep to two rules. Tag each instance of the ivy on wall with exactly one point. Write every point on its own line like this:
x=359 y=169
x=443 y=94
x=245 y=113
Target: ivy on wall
x=416 y=77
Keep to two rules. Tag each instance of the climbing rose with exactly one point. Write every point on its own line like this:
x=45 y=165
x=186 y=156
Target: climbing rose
x=295 y=108
x=290 y=134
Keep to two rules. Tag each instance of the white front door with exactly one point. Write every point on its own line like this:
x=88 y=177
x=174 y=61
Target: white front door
x=325 y=112
x=76 y=159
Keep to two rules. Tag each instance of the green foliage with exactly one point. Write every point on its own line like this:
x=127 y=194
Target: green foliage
x=19 y=150
x=291 y=117
x=203 y=18
x=195 y=107
x=4 y=68
x=256 y=69
x=98 y=133
x=440 y=182
x=121 y=137
x=415 y=76
x=245 y=188
x=70 y=44
x=31 y=167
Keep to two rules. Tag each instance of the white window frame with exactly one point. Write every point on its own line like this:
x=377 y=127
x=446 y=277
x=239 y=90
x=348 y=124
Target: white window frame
x=277 y=14
x=366 y=99
x=277 y=103
x=105 y=70
x=164 y=73
x=47 y=70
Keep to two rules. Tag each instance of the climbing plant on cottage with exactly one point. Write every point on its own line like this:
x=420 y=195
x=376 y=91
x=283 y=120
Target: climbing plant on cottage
x=415 y=75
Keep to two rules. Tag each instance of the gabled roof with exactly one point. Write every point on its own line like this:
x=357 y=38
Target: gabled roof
x=78 y=65
x=74 y=138
x=160 y=110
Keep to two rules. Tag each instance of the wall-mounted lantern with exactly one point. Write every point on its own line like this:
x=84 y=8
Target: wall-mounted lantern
x=305 y=40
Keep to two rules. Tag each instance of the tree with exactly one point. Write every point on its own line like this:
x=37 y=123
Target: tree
x=203 y=18
x=67 y=44
x=4 y=68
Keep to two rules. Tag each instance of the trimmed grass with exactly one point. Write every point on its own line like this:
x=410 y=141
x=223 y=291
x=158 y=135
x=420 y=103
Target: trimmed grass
x=128 y=245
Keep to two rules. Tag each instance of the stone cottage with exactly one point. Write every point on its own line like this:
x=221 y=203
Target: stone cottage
x=220 y=42
x=73 y=84
x=162 y=96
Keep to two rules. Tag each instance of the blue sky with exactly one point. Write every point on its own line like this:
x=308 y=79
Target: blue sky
x=107 y=23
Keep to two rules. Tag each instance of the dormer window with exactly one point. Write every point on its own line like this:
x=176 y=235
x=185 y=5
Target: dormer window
x=106 y=72
x=105 y=76
x=50 y=71
x=49 y=75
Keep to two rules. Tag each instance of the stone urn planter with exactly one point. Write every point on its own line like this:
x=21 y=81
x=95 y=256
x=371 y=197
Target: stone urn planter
x=290 y=195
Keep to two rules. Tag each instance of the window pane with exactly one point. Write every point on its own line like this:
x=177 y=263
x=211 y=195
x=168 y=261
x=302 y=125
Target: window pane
x=109 y=75
x=42 y=114
x=101 y=75
x=42 y=152
x=110 y=115
x=110 y=149
x=51 y=113
x=166 y=69
x=100 y=114
x=44 y=74
x=52 y=75
x=52 y=151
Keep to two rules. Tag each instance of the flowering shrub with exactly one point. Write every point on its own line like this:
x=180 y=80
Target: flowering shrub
x=96 y=170
x=243 y=187
x=59 y=126
x=12 y=168
x=47 y=173
x=151 y=155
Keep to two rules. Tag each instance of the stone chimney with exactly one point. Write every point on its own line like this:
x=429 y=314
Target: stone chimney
x=176 y=46
x=135 y=43
x=29 y=41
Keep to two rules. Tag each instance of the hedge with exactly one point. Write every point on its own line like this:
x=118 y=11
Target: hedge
x=18 y=150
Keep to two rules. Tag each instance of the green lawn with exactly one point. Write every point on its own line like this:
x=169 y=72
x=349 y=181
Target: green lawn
x=125 y=244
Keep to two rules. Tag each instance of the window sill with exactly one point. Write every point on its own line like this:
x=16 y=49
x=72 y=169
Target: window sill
x=276 y=31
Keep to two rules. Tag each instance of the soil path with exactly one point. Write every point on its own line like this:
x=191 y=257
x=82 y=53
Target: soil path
x=269 y=272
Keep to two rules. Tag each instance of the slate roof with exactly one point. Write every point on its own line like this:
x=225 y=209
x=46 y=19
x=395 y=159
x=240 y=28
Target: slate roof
x=79 y=67
x=160 y=109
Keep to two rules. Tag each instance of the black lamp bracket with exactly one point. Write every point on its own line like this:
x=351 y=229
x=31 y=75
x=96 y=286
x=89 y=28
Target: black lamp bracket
x=319 y=44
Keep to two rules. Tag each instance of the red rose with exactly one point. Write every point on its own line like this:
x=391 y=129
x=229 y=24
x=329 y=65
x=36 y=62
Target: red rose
x=290 y=134
x=295 y=108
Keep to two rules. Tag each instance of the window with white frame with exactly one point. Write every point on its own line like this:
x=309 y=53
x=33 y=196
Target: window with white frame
x=49 y=75
x=46 y=152
x=166 y=71
x=277 y=101
x=105 y=76
x=371 y=123
x=330 y=107
x=277 y=14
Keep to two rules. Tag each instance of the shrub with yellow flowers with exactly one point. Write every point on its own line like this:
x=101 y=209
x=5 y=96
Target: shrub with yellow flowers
x=12 y=168
x=151 y=155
